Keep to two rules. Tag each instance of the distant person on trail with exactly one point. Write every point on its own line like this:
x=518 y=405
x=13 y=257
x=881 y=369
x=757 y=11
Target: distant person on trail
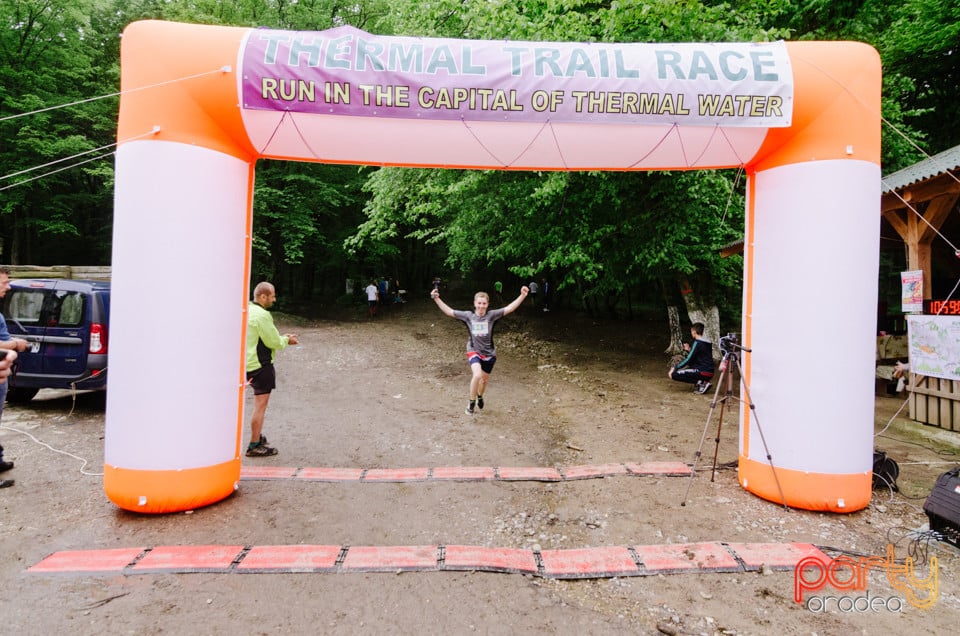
x=534 y=288
x=481 y=353
x=263 y=341
x=697 y=368
x=373 y=298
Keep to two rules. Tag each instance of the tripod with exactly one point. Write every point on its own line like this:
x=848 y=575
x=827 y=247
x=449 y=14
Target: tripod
x=731 y=358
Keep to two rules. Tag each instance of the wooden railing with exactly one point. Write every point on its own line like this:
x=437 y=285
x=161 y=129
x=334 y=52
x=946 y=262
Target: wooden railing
x=935 y=401
x=84 y=272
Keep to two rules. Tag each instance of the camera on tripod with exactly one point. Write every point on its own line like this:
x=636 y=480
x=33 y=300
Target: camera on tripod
x=731 y=348
x=729 y=344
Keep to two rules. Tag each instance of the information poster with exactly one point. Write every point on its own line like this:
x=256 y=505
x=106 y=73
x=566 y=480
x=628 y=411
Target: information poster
x=912 y=282
x=934 y=343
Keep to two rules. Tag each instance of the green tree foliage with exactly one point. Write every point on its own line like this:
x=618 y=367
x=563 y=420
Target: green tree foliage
x=608 y=238
x=922 y=51
x=599 y=234
x=55 y=52
x=303 y=213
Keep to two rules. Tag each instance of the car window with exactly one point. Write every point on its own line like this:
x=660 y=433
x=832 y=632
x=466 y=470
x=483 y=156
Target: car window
x=25 y=305
x=71 y=310
x=47 y=308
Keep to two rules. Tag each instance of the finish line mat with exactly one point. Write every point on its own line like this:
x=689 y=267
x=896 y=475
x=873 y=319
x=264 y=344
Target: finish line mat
x=582 y=563
x=601 y=562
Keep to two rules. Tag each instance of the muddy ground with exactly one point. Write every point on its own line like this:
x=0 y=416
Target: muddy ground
x=390 y=393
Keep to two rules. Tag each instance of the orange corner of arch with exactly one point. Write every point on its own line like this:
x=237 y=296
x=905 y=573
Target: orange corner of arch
x=837 y=107
x=163 y=491
x=841 y=493
x=188 y=94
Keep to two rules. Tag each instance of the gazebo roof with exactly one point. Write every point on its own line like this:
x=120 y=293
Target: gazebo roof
x=946 y=161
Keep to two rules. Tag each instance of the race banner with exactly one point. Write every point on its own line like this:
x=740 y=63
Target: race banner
x=345 y=71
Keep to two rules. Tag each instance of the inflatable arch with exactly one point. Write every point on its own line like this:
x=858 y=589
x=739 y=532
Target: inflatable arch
x=201 y=104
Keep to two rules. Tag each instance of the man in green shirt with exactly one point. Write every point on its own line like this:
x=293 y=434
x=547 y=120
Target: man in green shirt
x=263 y=341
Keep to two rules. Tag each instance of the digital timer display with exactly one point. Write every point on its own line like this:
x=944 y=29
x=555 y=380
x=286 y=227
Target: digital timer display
x=942 y=307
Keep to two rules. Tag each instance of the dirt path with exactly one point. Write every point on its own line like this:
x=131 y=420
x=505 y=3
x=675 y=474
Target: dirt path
x=389 y=393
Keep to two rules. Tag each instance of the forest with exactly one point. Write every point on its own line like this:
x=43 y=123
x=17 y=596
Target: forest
x=608 y=242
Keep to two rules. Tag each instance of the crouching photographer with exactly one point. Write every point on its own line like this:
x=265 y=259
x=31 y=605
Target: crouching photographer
x=697 y=368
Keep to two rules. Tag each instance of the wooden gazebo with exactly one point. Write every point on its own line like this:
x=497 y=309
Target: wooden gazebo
x=931 y=188
x=920 y=204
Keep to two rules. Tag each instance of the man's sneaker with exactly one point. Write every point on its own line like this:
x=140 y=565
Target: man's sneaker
x=6 y=483
x=469 y=410
x=260 y=450
x=703 y=387
x=5 y=466
x=480 y=402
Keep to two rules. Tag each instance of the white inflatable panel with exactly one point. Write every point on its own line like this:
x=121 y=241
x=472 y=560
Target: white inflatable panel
x=180 y=253
x=810 y=307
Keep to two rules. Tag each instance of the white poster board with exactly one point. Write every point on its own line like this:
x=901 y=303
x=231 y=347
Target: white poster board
x=934 y=343
x=912 y=296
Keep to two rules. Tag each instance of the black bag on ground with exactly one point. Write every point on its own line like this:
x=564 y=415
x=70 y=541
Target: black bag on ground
x=943 y=506
x=885 y=471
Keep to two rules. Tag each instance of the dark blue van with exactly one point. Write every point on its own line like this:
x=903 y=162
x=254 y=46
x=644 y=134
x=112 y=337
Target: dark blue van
x=66 y=323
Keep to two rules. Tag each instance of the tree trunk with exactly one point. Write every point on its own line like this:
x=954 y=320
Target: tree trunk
x=697 y=311
x=709 y=316
x=675 y=347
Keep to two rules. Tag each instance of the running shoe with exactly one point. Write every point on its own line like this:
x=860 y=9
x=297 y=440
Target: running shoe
x=261 y=450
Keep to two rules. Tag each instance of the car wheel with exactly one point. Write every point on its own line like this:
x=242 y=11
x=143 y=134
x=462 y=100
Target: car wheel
x=19 y=395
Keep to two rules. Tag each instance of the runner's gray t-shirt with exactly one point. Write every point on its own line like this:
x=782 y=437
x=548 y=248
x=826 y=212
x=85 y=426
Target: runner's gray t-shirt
x=481 y=330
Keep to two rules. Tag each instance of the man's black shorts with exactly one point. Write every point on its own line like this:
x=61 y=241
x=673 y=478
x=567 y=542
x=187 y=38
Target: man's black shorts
x=263 y=380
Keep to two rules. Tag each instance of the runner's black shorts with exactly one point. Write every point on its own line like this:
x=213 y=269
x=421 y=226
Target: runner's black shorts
x=263 y=380
x=486 y=362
